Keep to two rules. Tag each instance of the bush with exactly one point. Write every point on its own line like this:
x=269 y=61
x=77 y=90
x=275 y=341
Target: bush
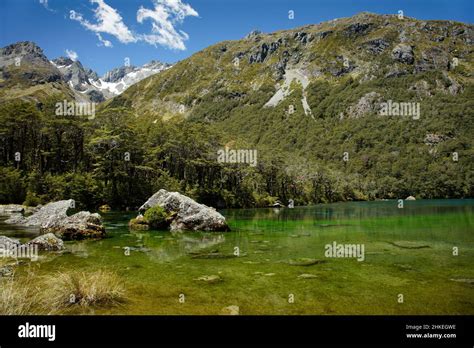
x=31 y=200
x=156 y=217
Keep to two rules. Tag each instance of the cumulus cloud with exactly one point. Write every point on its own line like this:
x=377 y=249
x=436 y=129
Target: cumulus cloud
x=164 y=17
x=72 y=55
x=108 y=21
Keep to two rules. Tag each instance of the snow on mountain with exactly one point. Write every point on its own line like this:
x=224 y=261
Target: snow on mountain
x=118 y=80
x=88 y=86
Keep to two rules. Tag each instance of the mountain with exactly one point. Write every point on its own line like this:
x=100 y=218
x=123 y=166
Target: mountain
x=26 y=73
x=118 y=80
x=314 y=97
x=87 y=83
x=365 y=48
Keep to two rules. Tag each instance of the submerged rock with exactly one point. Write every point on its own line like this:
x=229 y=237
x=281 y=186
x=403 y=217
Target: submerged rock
x=53 y=218
x=409 y=244
x=210 y=279
x=307 y=276
x=105 y=208
x=304 y=261
x=188 y=214
x=467 y=281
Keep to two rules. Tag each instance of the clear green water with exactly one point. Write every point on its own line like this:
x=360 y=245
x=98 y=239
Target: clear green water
x=160 y=266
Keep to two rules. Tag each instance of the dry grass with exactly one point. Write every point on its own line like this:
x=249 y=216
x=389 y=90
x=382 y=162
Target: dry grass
x=86 y=289
x=31 y=294
x=18 y=296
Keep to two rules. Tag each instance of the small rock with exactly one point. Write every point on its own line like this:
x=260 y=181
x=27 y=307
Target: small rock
x=307 y=276
x=210 y=279
x=410 y=198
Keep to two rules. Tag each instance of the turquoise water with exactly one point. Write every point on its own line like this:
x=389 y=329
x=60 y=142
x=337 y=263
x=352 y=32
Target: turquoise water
x=273 y=261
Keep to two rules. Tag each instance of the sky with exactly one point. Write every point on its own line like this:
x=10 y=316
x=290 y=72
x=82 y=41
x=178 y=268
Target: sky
x=104 y=34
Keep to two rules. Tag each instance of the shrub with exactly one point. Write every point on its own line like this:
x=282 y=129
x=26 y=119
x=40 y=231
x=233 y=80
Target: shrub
x=156 y=217
x=31 y=200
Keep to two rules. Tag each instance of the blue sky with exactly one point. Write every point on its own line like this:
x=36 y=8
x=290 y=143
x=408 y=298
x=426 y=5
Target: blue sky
x=104 y=32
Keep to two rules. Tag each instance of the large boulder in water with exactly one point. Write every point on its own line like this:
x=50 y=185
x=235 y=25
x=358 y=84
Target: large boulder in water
x=53 y=218
x=186 y=214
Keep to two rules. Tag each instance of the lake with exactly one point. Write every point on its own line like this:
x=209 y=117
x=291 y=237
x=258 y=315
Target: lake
x=417 y=260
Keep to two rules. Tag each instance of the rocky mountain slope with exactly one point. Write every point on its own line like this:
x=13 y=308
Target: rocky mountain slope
x=27 y=73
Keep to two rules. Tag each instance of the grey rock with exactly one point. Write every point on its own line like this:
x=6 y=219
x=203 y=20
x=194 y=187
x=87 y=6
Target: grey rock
x=368 y=103
x=434 y=139
x=8 y=243
x=253 y=34
x=47 y=242
x=188 y=214
x=376 y=46
x=357 y=29
x=403 y=53
x=53 y=218
x=433 y=58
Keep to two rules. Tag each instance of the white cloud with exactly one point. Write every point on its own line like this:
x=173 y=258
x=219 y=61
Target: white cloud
x=109 y=21
x=164 y=17
x=45 y=5
x=72 y=55
x=103 y=41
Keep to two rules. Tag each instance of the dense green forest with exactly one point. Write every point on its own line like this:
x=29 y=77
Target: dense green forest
x=120 y=159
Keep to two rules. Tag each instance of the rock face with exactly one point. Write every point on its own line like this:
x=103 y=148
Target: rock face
x=188 y=214
x=403 y=53
x=53 y=218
